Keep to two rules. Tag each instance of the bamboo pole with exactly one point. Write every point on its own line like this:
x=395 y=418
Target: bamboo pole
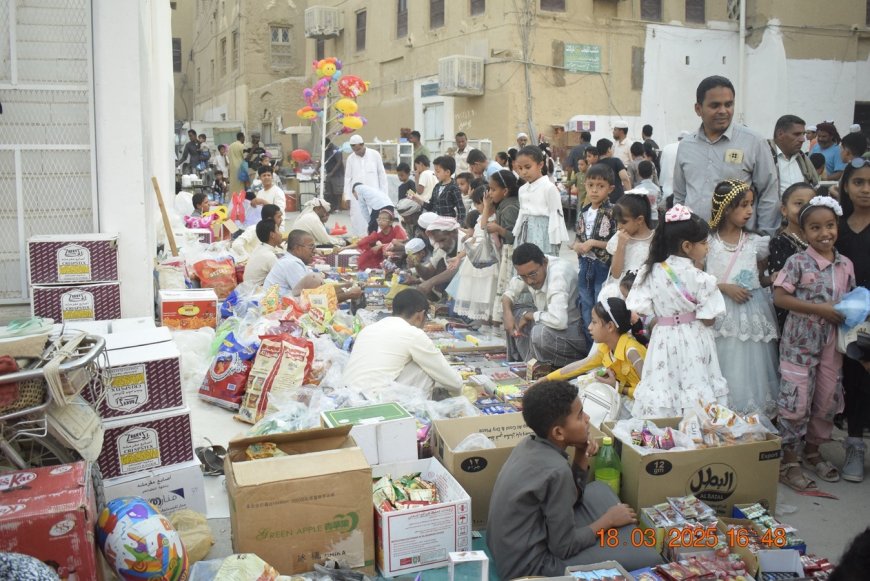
x=169 y=235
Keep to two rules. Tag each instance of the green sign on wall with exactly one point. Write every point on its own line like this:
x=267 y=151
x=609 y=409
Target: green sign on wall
x=583 y=58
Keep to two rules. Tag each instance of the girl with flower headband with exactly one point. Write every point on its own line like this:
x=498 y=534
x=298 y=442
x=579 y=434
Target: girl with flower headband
x=746 y=333
x=681 y=366
x=811 y=392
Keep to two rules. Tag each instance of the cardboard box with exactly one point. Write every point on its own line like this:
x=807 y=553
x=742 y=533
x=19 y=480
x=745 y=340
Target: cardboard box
x=86 y=302
x=188 y=309
x=420 y=538
x=574 y=570
x=50 y=513
x=298 y=510
x=781 y=561
x=145 y=442
x=142 y=380
x=477 y=470
x=73 y=259
x=721 y=477
x=386 y=432
x=132 y=324
x=90 y=327
x=169 y=489
x=140 y=338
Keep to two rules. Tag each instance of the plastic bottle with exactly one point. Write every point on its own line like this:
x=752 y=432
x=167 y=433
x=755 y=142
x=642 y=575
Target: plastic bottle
x=608 y=468
x=557 y=170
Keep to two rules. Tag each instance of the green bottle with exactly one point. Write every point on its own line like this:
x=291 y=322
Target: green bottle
x=608 y=468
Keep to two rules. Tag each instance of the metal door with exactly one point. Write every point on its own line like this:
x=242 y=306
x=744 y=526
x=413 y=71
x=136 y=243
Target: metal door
x=47 y=163
x=433 y=127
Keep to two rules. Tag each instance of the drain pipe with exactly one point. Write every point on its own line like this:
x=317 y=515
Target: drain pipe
x=741 y=65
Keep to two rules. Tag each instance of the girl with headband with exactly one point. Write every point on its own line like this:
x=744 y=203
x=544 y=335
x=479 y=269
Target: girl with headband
x=746 y=334
x=681 y=366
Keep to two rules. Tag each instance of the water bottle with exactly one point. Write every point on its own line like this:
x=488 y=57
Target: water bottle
x=608 y=468
x=557 y=170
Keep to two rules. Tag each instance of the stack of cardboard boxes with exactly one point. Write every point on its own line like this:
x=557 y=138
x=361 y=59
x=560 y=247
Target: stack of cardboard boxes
x=75 y=277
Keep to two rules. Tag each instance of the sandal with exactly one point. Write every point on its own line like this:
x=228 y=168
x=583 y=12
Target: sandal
x=822 y=468
x=212 y=458
x=795 y=479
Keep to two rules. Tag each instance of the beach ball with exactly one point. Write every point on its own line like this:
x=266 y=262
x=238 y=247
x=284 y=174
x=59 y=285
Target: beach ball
x=347 y=106
x=139 y=543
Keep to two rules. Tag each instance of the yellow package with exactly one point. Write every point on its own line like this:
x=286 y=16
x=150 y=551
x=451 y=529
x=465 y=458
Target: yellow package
x=322 y=297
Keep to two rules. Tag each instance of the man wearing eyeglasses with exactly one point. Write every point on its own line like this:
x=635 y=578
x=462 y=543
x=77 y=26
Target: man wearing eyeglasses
x=292 y=274
x=551 y=329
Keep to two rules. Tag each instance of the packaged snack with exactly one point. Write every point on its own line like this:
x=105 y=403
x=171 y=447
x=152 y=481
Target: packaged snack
x=263 y=450
x=227 y=376
x=219 y=274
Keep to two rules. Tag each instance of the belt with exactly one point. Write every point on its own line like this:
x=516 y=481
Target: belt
x=680 y=319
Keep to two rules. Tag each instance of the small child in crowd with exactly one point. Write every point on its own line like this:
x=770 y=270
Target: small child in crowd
x=681 y=365
x=630 y=247
x=425 y=178
x=503 y=159
x=463 y=182
x=578 y=182
x=406 y=184
x=446 y=198
x=473 y=289
x=746 y=334
x=645 y=170
x=808 y=286
x=819 y=164
x=595 y=226
x=502 y=201
x=200 y=205
x=372 y=246
x=541 y=220
x=788 y=240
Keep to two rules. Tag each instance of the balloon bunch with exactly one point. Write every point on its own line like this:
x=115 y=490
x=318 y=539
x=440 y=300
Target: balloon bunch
x=329 y=72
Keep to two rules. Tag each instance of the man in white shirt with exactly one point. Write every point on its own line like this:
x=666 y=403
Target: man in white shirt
x=425 y=177
x=461 y=154
x=792 y=164
x=313 y=220
x=292 y=274
x=247 y=241
x=621 y=143
x=371 y=202
x=264 y=256
x=550 y=330
x=396 y=349
x=270 y=194
x=364 y=166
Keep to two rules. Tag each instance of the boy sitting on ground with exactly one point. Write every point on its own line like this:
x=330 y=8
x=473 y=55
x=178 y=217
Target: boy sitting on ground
x=543 y=516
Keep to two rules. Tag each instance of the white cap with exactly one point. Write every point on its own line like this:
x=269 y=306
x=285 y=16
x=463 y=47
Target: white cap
x=426 y=219
x=812 y=128
x=522 y=135
x=620 y=125
x=683 y=135
x=414 y=245
x=355 y=140
x=854 y=128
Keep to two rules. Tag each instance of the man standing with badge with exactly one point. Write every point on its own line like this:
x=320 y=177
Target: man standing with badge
x=721 y=149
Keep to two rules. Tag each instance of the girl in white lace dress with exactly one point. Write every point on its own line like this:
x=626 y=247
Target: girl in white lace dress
x=630 y=246
x=681 y=366
x=746 y=334
x=473 y=289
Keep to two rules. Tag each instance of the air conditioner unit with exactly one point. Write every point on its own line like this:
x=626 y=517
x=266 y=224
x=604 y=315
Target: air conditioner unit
x=460 y=76
x=322 y=22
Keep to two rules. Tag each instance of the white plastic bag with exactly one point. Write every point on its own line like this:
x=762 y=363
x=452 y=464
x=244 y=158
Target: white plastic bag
x=476 y=441
x=194 y=347
x=454 y=407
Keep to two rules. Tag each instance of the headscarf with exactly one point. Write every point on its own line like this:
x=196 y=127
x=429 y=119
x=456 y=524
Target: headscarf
x=444 y=224
x=406 y=207
x=316 y=203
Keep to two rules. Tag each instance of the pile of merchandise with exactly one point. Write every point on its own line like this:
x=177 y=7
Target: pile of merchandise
x=409 y=491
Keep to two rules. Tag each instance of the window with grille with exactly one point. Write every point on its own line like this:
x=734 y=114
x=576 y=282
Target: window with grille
x=477 y=7
x=436 y=14
x=651 y=10
x=361 y=30
x=401 y=18
x=695 y=11
x=235 y=49
x=320 y=49
x=553 y=5
x=282 y=50
x=176 y=55
x=223 y=57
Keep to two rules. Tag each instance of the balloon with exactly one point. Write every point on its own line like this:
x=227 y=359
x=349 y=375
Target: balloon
x=308 y=95
x=220 y=213
x=326 y=67
x=346 y=106
x=352 y=122
x=306 y=112
x=300 y=155
x=352 y=86
x=336 y=76
x=345 y=147
x=200 y=222
x=321 y=88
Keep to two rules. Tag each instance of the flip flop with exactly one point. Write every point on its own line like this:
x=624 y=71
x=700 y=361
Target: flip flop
x=212 y=458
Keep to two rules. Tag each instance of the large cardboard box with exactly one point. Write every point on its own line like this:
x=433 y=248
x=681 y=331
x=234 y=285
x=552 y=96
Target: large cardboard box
x=73 y=259
x=145 y=442
x=420 y=538
x=386 y=432
x=86 y=302
x=50 y=513
x=298 y=510
x=721 y=477
x=477 y=470
x=169 y=489
x=188 y=309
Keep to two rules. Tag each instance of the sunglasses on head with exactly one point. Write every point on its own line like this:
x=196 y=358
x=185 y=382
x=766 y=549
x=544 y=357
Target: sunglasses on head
x=859 y=162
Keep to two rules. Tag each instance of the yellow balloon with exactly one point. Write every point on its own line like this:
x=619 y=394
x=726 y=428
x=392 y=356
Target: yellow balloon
x=222 y=213
x=347 y=106
x=352 y=122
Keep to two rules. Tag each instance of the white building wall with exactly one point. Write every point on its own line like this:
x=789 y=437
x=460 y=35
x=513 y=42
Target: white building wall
x=231 y=105
x=133 y=98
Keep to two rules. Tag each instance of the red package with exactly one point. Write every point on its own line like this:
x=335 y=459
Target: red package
x=225 y=380
x=217 y=274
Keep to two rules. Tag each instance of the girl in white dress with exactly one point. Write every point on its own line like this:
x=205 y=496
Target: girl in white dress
x=746 y=334
x=630 y=246
x=473 y=289
x=541 y=220
x=681 y=366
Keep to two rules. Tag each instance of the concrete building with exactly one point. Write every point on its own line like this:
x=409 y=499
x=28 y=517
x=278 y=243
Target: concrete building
x=543 y=63
x=87 y=93
x=183 y=13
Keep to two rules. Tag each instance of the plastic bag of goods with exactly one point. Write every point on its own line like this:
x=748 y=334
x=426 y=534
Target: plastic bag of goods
x=216 y=273
x=194 y=347
x=227 y=377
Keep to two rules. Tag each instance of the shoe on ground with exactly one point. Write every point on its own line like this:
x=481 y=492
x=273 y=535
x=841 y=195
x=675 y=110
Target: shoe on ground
x=853 y=467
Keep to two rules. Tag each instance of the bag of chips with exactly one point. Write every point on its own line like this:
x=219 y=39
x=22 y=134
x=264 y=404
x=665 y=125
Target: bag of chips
x=227 y=376
x=219 y=274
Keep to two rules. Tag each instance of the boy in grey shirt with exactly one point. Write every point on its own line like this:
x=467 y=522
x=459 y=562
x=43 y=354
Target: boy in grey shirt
x=543 y=516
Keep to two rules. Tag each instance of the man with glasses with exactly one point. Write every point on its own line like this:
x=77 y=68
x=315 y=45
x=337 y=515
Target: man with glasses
x=551 y=329
x=292 y=274
x=396 y=350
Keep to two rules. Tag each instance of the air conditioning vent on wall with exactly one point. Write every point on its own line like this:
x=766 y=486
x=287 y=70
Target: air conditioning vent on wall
x=460 y=76
x=322 y=22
